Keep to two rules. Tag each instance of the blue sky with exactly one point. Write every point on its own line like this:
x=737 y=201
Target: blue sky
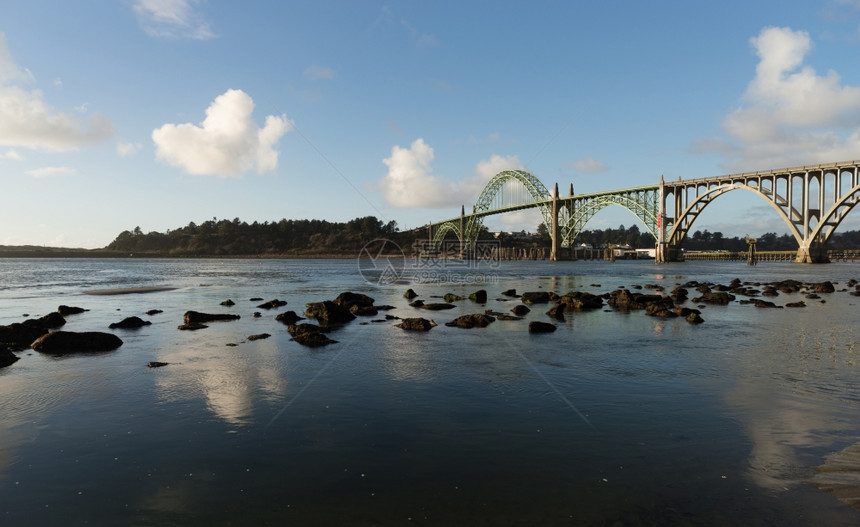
x=155 y=113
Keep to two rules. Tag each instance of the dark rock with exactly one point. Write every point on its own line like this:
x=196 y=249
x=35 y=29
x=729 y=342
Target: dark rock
x=417 y=303
x=228 y=303
x=579 y=300
x=409 y=294
x=256 y=299
x=503 y=316
x=823 y=287
x=438 y=306
x=309 y=335
x=130 y=323
x=557 y=312
x=796 y=304
x=764 y=303
x=536 y=297
x=510 y=292
x=195 y=316
x=259 y=336
x=392 y=317
x=660 y=309
x=479 y=297
x=192 y=326
x=364 y=311
x=156 y=364
x=288 y=317
x=6 y=357
x=536 y=326
x=19 y=336
x=70 y=310
x=272 y=304
x=50 y=321
x=154 y=312
x=70 y=342
x=416 y=324
x=349 y=299
x=715 y=298
x=520 y=310
x=694 y=318
x=474 y=320
x=257 y=314
x=384 y=307
x=451 y=297
x=328 y=312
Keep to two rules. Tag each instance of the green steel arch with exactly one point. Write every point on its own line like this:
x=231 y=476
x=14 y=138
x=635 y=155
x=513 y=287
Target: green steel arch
x=536 y=190
x=643 y=202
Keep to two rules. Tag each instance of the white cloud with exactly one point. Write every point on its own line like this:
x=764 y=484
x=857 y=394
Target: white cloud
x=11 y=154
x=27 y=120
x=588 y=165
x=789 y=113
x=315 y=73
x=127 y=149
x=410 y=181
x=172 y=19
x=51 y=171
x=227 y=143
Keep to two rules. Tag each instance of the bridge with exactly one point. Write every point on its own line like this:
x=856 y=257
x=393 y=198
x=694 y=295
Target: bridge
x=811 y=200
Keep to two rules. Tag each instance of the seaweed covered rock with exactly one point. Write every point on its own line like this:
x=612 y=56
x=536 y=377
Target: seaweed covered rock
x=535 y=297
x=288 y=318
x=474 y=320
x=479 y=296
x=70 y=310
x=580 y=300
x=272 y=304
x=328 y=312
x=416 y=324
x=309 y=335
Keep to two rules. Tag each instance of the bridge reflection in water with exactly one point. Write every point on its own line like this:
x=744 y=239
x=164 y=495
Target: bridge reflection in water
x=811 y=200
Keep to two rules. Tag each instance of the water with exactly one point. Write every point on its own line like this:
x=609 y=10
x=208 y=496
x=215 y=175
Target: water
x=614 y=419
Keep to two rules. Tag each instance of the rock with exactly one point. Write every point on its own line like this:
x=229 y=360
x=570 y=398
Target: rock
x=130 y=323
x=257 y=314
x=6 y=357
x=156 y=364
x=451 y=297
x=228 y=303
x=536 y=297
x=18 y=336
x=68 y=342
x=801 y=303
x=474 y=320
x=823 y=287
x=70 y=310
x=437 y=306
x=479 y=297
x=191 y=317
x=192 y=326
x=272 y=304
x=50 y=321
x=154 y=312
x=510 y=292
x=384 y=307
x=309 y=335
x=764 y=303
x=328 y=312
x=718 y=298
x=256 y=299
x=520 y=310
x=417 y=303
x=416 y=324
x=259 y=336
x=660 y=309
x=536 y=326
x=288 y=317
x=557 y=312
x=409 y=294
x=579 y=300
x=349 y=299
x=508 y=317
x=694 y=318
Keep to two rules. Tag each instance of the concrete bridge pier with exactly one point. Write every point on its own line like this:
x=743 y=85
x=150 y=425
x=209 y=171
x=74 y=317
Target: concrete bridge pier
x=814 y=252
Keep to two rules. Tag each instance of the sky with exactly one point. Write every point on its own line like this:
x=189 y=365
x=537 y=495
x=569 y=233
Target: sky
x=116 y=114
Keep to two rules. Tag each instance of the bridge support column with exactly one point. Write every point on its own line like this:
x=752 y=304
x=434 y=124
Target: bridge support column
x=814 y=252
x=553 y=253
x=462 y=229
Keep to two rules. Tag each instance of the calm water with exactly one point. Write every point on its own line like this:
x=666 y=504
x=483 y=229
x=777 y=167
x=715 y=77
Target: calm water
x=614 y=419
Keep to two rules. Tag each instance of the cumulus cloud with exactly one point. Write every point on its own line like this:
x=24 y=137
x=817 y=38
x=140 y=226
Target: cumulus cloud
x=127 y=149
x=789 y=113
x=410 y=181
x=11 y=154
x=227 y=143
x=316 y=73
x=26 y=120
x=44 y=172
x=588 y=165
x=172 y=19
